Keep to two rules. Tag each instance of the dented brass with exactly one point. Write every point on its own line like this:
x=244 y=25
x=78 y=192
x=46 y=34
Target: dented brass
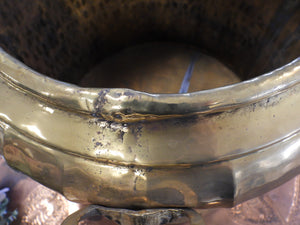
x=123 y=148
x=130 y=148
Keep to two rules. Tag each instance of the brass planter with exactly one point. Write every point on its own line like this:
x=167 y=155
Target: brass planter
x=124 y=148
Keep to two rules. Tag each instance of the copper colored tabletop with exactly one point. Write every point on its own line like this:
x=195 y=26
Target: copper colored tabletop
x=39 y=205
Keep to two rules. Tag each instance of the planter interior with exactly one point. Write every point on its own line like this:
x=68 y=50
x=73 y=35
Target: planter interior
x=65 y=39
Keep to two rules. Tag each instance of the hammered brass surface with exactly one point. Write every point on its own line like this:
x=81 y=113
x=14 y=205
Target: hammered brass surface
x=126 y=148
x=64 y=39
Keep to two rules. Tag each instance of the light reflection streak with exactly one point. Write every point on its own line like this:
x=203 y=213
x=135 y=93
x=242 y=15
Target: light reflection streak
x=140 y=174
x=91 y=101
x=35 y=130
x=117 y=153
x=119 y=98
x=45 y=93
x=116 y=171
x=5 y=116
x=291 y=150
x=119 y=171
x=46 y=108
x=88 y=93
x=71 y=90
x=105 y=152
x=116 y=107
x=277 y=159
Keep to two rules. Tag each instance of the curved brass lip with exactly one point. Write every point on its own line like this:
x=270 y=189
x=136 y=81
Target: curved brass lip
x=69 y=134
x=127 y=164
x=118 y=104
x=260 y=149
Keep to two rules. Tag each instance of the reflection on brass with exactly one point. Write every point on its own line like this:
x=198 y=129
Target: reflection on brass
x=147 y=147
x=280 y=206
x=148 y=216
x=128 y=162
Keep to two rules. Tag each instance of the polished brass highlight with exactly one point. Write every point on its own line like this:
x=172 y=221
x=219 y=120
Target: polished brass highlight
x=128 y=162
x=131 y=149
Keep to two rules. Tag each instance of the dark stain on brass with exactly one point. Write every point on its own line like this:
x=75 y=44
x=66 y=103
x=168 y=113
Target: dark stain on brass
x=117 y=133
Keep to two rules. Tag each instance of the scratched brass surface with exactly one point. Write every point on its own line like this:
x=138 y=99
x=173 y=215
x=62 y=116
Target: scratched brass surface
x=125 y=148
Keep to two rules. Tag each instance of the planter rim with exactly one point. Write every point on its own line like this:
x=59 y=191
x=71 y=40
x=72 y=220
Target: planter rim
x=244 y=138
x=118 y=104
